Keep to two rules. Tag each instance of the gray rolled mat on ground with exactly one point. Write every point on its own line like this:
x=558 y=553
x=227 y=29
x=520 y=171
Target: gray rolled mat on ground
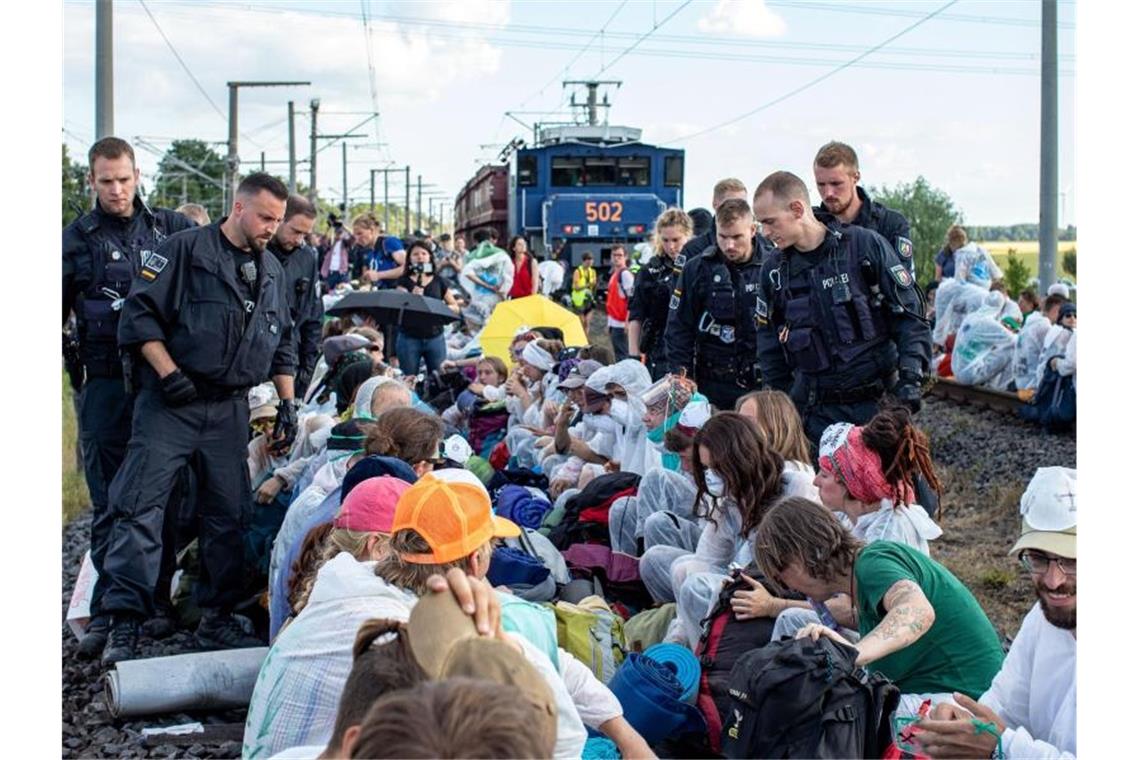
x=197 y=681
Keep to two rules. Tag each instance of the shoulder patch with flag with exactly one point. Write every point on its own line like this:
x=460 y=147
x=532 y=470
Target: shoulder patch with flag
x=906 y=248
x=902 y=275
x=153 y=267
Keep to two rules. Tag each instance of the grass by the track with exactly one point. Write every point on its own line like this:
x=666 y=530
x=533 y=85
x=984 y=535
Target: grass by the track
x=75 y=498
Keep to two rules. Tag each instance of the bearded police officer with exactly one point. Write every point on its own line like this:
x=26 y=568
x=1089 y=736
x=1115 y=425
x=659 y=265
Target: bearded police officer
x=725 y=190
x=843 y=322
x=836 y=169
x=652 y=287
x=714 y=309
x=102 y=250
x=207 y=317
x=302 y=276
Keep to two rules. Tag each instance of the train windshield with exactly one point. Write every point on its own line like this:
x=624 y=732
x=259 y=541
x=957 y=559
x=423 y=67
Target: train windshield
x=577 y=171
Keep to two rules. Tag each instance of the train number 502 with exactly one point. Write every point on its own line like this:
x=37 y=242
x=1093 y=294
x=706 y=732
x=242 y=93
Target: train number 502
x=604 y=211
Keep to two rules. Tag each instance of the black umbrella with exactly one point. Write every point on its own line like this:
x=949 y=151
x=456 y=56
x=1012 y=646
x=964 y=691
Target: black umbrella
x=395 y=307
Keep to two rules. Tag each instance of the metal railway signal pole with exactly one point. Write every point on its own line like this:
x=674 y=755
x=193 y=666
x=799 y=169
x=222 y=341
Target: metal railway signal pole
x=232 y=160
x=1047 y=218
x=104 y=71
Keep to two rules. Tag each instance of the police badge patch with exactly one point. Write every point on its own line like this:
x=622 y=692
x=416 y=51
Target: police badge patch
x=906 y=248
x=153 y=266
x=902 y=275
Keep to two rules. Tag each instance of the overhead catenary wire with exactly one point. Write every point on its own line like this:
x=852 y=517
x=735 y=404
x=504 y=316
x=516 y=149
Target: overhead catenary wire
x=815 y=81
x=657 y=25
x=190 y=73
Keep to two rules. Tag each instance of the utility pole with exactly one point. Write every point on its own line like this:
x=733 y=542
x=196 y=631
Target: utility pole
x=104 y=71
x=387 y=229
x=292 y=152
x=1047 y=220
x=344 y=175
x=263 y=161
x=232 y=161
x=407 y=201
x=419 y=200
x=314 y=106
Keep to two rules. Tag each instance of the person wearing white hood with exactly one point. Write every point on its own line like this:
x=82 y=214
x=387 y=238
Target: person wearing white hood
x=624 y=383
x=527 y=390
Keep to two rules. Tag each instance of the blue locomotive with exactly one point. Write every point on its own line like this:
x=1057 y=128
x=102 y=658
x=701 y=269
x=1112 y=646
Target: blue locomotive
x=580 y=187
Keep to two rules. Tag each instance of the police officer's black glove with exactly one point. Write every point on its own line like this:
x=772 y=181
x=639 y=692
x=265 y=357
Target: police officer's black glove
x=301 y=382
x=72 y=362
x=284 y=428
x=909 y=391
x=177 y=390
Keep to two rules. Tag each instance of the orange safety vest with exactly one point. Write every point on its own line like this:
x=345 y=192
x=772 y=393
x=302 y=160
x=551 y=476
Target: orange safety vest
x=617 y=304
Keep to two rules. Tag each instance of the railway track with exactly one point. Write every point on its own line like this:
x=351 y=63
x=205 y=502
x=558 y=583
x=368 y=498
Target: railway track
x=986 y=398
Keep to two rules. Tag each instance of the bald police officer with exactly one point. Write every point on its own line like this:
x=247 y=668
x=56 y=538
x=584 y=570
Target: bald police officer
x=206 y=319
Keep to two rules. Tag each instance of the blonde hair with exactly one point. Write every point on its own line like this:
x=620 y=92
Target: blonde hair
x=956 y=237
x=779 y=424
x=413 y=575
x=672 y=217
x=366 y=220
x=334 y=541
x=726 y=186
x=498 y=365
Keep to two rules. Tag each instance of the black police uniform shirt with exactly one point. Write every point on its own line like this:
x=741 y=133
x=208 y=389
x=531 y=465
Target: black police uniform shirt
x=101 y=254
x=712 y=324
x=649 y=305
x=891 y=224
x=847 y=313
x=302 y=276
x=188 y=296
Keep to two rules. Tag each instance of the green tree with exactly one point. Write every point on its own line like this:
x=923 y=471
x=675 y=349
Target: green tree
x=190 y=172
x=930 y=213
x=1016 y=274
x=1069 y=263
x=76 y=199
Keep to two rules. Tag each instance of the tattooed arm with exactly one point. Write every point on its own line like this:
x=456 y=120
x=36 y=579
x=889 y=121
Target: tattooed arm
x=909 y=616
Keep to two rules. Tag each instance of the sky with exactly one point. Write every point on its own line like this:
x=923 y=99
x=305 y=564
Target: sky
x=954 y=96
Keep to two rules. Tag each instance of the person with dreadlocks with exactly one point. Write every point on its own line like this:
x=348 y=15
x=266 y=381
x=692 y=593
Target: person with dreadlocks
x=866 y=473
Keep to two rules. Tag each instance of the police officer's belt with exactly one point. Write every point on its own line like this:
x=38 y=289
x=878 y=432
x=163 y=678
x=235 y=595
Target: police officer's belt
x=867 y=392
x=213 y=392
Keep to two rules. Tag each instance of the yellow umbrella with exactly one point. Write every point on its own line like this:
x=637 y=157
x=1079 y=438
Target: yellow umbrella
x=532 y=311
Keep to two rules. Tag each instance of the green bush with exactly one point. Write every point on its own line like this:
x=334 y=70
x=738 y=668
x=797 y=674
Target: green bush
x=1069 y=263
x=1016 y=275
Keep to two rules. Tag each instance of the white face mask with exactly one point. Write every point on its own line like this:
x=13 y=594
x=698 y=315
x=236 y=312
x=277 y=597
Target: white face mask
x=714 y=483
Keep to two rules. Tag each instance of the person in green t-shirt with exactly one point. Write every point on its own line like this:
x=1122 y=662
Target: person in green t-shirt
x=918 y=624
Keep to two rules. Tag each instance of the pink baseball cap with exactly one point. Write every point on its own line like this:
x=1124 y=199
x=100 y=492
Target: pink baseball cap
x=371 y=506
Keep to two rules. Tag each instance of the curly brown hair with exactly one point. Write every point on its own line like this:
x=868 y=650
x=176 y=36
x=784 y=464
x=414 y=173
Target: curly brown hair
x=903 y=449
x=750 y=467
x=796 y=529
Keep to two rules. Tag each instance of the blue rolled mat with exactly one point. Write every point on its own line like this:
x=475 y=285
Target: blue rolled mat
x=650 y=695
x=682 y=661
x=521 y=507
x=510 y=566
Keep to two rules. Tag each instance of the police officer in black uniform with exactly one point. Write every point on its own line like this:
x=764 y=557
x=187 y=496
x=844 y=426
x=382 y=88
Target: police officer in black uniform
x=206 y=319
x=843 y=321
x=302 y=276
x=714 y=309
x=652 y=286
x=836 y=169
x=727 y=189
x=102 y=251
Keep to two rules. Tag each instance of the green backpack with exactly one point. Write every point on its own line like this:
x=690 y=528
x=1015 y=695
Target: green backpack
x=593 y=633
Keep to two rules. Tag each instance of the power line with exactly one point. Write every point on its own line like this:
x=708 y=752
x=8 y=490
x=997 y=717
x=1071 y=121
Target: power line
x=817 y=80
x=190 y=73
x=640 y=39
x=365 y=16
x=880 y=11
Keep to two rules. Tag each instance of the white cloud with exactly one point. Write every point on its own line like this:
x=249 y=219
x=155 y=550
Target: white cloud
x=743 y=18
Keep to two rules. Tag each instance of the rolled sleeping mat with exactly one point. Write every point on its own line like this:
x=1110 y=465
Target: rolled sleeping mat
x=650 y=696
x=217 y=680
x=682 y=661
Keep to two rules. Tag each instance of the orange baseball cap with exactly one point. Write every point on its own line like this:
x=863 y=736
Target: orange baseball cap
x=452 y=511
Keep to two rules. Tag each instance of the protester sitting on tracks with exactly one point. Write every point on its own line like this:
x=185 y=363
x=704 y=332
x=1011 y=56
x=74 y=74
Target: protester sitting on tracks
x=490 y=375
x=459 y=717
x=1066 y=364
x=1032 y=703
x=527 y=390
x=779 y=424
x=741 y=476
x=294 y=701
x=867 y=474
x=1031 y=340
x=444 y=522
x=1058 y=337
x=918 y=624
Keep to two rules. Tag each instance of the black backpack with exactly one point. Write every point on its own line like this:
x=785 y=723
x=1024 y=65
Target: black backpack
x=804 y=698
x=724 y=640
x=598 y=491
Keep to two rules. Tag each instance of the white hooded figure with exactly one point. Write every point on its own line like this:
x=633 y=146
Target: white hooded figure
x=489 y=266
x=632 y=449
x=974 y=272
x=984 y=350
x=552 y=274
x=975 y=265
x=1027 y=355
